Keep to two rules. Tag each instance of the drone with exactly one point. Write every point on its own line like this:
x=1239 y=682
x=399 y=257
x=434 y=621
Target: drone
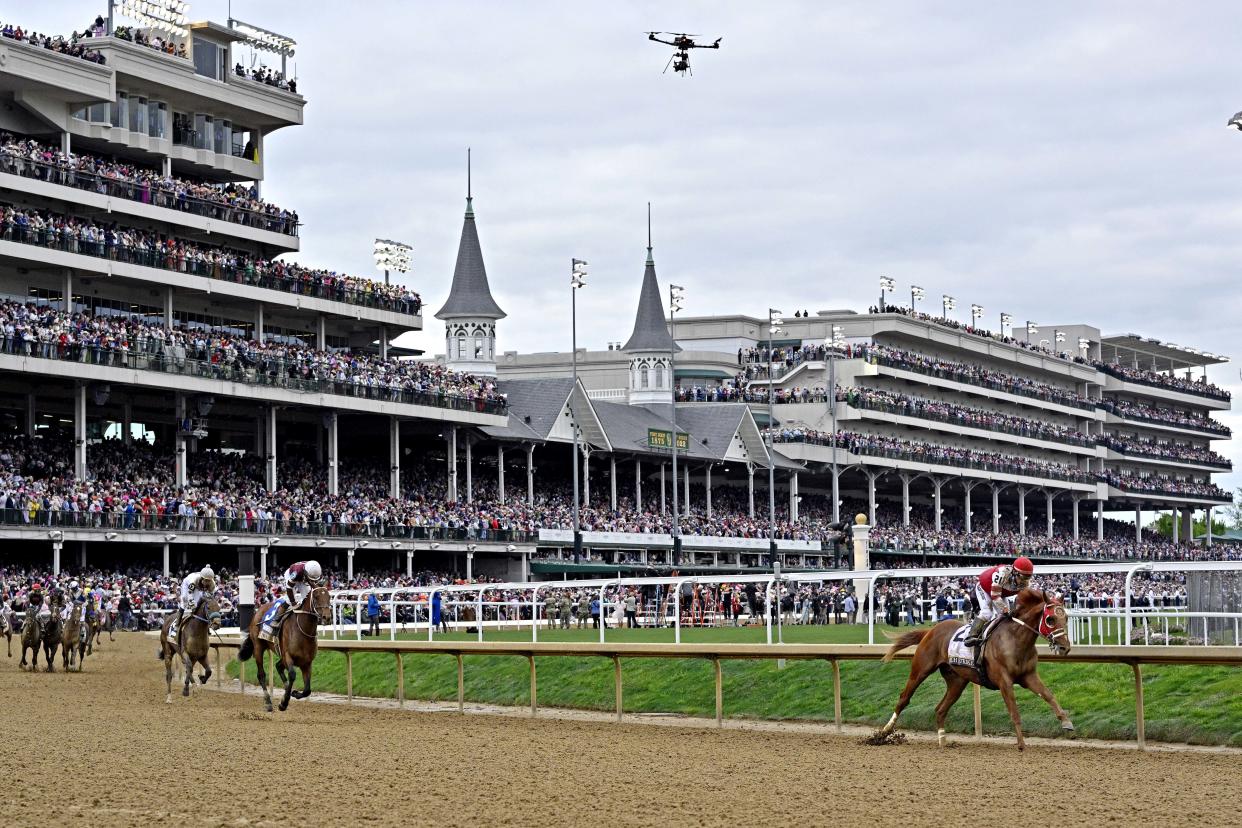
x=682 y=43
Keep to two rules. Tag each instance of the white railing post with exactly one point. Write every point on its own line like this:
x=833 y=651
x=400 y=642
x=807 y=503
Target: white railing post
x=358 y=617
x=430 y=620
x=479 y=614
x=1129 y=580
x=392 y=616
x=534 y=613
x=767 y=609
x=677 y=611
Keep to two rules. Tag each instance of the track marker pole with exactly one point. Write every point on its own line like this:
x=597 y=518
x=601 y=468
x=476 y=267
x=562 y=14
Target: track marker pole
x=533 y=688
x=719 y=693
x=836 y=693
x=1139 y=718
x=400 y=680
x=978 y=712
x=461 y=686
x=616 y=672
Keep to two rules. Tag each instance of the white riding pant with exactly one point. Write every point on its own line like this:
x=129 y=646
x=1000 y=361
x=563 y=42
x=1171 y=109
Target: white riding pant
x=189 y=602
x=295 y=594
x=988 y=609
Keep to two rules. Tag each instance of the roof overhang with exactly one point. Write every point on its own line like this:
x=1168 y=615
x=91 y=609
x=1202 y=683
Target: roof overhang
x=1122 y=348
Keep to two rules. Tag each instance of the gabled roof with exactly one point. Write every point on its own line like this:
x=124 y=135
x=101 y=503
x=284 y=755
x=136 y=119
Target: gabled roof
x=536 y=407
x=470 y=296
x=650 y=330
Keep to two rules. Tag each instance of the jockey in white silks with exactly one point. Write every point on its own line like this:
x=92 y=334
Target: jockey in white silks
x=193 y=587
x=299 y=579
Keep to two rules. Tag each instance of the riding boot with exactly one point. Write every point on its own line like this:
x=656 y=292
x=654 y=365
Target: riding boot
x=976 y=632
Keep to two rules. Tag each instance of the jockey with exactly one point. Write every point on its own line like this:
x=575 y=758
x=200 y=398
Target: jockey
x=193 y=587
x=995 y=585
x=299 y=579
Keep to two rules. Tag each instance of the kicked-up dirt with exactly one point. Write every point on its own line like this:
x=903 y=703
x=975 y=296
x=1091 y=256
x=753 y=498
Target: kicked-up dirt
x=101 y=748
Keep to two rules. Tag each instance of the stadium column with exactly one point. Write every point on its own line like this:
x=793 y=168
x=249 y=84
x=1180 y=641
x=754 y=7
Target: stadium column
x=167 y=571
x=258 y=321
x=469 y=469
x=66 y=142
x=862 y=562
x=707 y=489
x=30 y=413
x=79 y=431
x=333 y=457
x=967 y=485
x=685 y=487
x=612 y=481
x=1138 y=524
x=1099 y=520
x=409 y=563
x=349 y=563
x=451 y=460
x=67 y=298
x=871 y=478
x=383 y=342
x=1021 y=510
x=638 y=484
x=1076 y=500
x=530 y=474
x=180 y=460
x=750 y=489
x=321 y=334
x=793 y=497
x=905 y=500
x=270 y=447
x=168 y=307
x=1048 y=510
x=586 y=475
x=663 y=510
x=1176 y=529
x=500 y=472
x=394 y=458
x=995 y=510
x=1207 y=526
x=937 y=483
x=127 y=421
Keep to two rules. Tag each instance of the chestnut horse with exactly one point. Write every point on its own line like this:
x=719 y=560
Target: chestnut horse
x=298 y=642
x=191 y=644
x=1008 y=654
x=72 y=640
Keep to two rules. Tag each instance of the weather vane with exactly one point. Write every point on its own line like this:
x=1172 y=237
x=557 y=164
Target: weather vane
x=682 y=44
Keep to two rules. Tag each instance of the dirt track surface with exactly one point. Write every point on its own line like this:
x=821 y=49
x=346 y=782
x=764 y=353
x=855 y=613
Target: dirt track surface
x=103 y=749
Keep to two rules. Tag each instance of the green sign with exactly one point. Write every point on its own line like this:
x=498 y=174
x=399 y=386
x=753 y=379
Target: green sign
x=659 y=439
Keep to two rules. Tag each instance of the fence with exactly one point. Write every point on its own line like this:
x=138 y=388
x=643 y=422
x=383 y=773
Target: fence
x=834 y=654
x=1107 y=625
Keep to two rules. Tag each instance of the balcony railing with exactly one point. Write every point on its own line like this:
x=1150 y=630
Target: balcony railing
x=145 y=193
x=1030 y=429
x=271 y=373
x=948 y=372
x=1152 y=380
x=1205 y=424
x=178 y=261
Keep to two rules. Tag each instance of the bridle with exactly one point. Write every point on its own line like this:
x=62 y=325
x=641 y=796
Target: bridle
x=310 y=596
x=1044 y=629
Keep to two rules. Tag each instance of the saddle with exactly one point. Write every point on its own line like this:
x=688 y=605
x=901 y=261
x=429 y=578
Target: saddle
x=961 y=655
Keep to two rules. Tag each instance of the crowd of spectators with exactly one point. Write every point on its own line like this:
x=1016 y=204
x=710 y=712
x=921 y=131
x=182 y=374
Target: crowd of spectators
x=267 y=77
x=71 y=46
x=1160 y=379
x=1161 y=484
x=890 y=402
x=1167 y=416
x=227 y=202
x=133 y=342
x=138 y=37
x=973 y=330
x=115 y=242
x=1135 y=446
x=880 y=445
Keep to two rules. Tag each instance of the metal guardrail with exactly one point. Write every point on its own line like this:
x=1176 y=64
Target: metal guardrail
x=834 y=654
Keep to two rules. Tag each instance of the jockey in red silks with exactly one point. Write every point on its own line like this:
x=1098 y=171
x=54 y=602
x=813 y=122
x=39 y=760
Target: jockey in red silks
x=995 y=585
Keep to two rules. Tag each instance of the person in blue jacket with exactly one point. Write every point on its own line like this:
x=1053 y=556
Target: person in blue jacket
x=437 y=618
x=373 y=612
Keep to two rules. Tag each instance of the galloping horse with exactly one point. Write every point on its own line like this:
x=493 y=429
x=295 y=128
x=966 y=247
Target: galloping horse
x=101 y=622
x=72 y=642
x=194 y=646
x=6 y=625
x=298 y=640
x=1008 y=654
x=32 y=631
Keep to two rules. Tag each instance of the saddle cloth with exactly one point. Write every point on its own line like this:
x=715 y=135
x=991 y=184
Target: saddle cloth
x=172 y=630
x=271 y=612
x=959 y=654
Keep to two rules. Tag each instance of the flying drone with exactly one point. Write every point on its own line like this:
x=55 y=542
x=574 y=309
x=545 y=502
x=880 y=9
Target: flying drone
x=682 y=43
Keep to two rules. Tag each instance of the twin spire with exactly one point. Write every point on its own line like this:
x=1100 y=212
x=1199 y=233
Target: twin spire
x=470 y=296
x=650 y=329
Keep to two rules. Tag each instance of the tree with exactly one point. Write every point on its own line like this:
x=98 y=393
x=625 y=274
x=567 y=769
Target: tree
x=1163 y=524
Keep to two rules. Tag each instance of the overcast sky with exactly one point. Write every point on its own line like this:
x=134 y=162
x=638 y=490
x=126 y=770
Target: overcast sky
x=1063 y=162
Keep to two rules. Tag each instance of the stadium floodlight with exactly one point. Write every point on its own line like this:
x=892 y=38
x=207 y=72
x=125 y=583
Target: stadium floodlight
x=392 y=255
x=886 y=283
x=1031 y=327
x=170 y=537
x=222 y=539
x=775 y=320
x=1083 y=344
x=434 y=547
x=256 y=37
x=676 y=298
x=1059 y=336
x=577 y=274
x=1235 y=122
x=916 y=293
x=56 y=536
x=948 y=303
x=976 y=313
x=110 y=536
x=510 y=548
x=273 y=541
x=168 y=16
x=320 y=541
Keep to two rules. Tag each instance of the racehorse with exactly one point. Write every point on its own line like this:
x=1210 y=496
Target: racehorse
x=1008 y=658
x=50 y=630
x=298 y=642
x=193 y=645
x=6 y=625
x=101 y=622
x=32 y=631
x=72 y=642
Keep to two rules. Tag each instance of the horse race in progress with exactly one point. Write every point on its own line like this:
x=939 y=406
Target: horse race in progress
x=550 y=414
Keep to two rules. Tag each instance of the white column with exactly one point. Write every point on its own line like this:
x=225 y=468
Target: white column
x=181 y=459
x=67 y=299
x=750 y=489
x=349 y=566
x=56 y=558
x=383 y=342
x=612 y=480
x=685 y=488
x=1075 y=502
x=470 y=568
x=586 y=477
x=168 y=308
x=469 y=470
x=530 y=474
x=1021 y=511
x=258 y=321
x=409 y=563
x=862 y=562
x=321 y=334
x=936 y=484
x=270 y=447
x=500 y=471
x=638 y=485
x=1048 y=510
x=1208 y=524
x=871 y=499
x=663 y=510
x=66 y=143
x=1138 y=524
x=30 y=414
x=1099 y=520
x=167 y=571
x=263 y=550
x=905 y=501
x=333 y=455
x=79 y=431
x=966 y=507
x=394 y=458
x=707 y=489
x=995 y=511
x=1176 y=529
x=166 y=161
x=452 y=464
x=793 y=497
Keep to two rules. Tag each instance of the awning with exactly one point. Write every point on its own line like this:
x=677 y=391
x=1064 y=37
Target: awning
x=701 y=373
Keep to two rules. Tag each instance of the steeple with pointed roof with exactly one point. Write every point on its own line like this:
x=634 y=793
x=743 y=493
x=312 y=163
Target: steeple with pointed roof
x=650 y=344
x=470 y=312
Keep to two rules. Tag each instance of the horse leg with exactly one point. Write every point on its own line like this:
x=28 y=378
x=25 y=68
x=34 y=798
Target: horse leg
x=1011 y=704
x=168 y=674
x=188 y=663
x=288 y=676
x=260 y=657
x=206 y=663
x=955 y=685
x=918 y=674
x=306 y=691
x=1036 y=685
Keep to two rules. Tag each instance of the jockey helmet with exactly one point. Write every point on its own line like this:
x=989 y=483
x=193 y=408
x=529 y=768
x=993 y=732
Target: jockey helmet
x=207 y=578
x=73 y=584
x=1024 y=566
x=313 y=570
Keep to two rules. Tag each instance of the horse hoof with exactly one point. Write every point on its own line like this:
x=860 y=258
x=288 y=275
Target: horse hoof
x=203 y=679
x=168 y=699
x=1021 y=747
x=186 y=692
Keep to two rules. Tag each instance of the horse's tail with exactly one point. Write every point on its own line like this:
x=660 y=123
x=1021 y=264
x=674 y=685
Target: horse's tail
x=246 y=650
x=902 y=641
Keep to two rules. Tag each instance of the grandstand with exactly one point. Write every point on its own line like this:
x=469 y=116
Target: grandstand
x=174 y=382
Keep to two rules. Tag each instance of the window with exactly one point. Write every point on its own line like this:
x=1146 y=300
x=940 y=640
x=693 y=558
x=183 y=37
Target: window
x=183 y=130
x=243 y=144
x=478 y=347
x=209 y=59
x=644 y=374
x=138 y=115
x=461 y=347
x=659 y=375
x=98 y=113
x=203 y=126
x=223 y=136
x=120 y=111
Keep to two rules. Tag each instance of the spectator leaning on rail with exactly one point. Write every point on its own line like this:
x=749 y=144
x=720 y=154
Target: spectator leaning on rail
x=995 y=584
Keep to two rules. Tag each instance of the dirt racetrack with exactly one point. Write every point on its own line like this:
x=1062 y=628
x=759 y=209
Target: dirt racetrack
x=102 y=749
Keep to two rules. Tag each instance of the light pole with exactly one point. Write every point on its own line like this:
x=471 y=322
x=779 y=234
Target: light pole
x=835 y=343
x=1006 y=319
x=916 y=293
x=676 y=295
x=1058 y=337
x=1031 y=328
x=947 y=303
x=577 y=281
x=774 y=327
x=392 y=255
x=1084 y=345
x=976 y=313
x=886 y=283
